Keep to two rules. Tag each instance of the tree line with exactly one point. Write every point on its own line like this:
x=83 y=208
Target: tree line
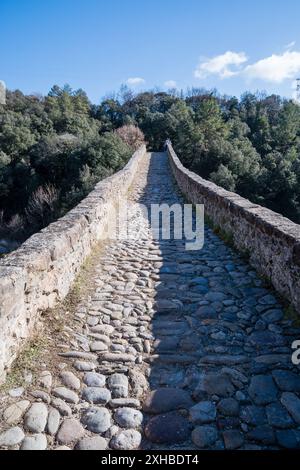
x=54 y=149
x=249 y=145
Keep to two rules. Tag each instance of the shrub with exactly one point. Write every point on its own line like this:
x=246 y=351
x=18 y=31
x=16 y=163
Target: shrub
x=42 y=206
x=131 y=135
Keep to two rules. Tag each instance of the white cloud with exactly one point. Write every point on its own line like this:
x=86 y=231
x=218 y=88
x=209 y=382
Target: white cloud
x=276 y=68
x=224 y=65
x=170 y=84
x=135 y=81
x=290 y=45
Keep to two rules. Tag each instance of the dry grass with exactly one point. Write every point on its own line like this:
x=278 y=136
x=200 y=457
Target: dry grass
x=27 y=361
x=40 y=352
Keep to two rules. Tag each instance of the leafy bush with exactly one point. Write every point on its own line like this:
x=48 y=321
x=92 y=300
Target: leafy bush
x=250 y=146
x=131 y=135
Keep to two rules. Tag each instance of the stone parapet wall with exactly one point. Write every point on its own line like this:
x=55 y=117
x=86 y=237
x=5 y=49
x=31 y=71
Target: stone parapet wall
x=41 y=272
x=271 y=241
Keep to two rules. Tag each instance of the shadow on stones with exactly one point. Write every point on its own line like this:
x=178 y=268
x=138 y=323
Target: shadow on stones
x=176 y=347
x=212 y=334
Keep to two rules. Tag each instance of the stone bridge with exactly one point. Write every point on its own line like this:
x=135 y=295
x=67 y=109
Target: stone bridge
x=166 y=348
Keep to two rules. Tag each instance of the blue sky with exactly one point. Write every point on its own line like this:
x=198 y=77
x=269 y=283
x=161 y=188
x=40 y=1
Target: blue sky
x=99 y=44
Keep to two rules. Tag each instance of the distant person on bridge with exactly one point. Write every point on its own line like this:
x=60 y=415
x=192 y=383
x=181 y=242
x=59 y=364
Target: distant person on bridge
x=167 y=142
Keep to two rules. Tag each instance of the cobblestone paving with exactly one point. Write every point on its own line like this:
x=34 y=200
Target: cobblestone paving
x=177 y=350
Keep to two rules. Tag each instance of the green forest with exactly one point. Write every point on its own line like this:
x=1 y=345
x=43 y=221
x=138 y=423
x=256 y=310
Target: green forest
x=54 y=149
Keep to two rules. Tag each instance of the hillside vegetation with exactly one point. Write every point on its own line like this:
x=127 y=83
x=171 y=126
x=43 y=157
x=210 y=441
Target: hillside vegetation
x=54 y=149
x=250 y=146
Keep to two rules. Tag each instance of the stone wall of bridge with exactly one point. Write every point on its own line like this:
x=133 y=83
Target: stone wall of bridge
x=271 y=241
x=40 y=273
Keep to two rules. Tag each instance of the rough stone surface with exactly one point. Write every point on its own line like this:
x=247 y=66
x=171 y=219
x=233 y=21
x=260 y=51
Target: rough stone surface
x=92 y=379
x=138 y=383
x=166 y=399
x=228 y=407
x=53 y=421
x=45 y=379
x=193 y=338
x=96 y=420
x=278 y=416
x=70 y=380
x=11 y=437
x=84 y=365
x=61 y=406
x=128 y=418
x=118 y=384
x=263 y=435
x=287 y=381
x=96 y=395
x=256 y=229
x=262 y=390
x=52 y=281
x=289 y=439
x=204 y=412
x=169 y=428
x=35 y=442
x=41 y=395
x=14 y=413
x=253 y=415
x=70 y=431
x=214 y=384
x=292 y=403
x=130 y=402
x=204 y=436
x=66 y=394
x=233 y=439
x=92 y=443
x=129 y=439
x=35 y=419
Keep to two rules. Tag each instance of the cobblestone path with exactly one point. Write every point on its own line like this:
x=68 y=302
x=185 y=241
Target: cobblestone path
x=177 y=349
